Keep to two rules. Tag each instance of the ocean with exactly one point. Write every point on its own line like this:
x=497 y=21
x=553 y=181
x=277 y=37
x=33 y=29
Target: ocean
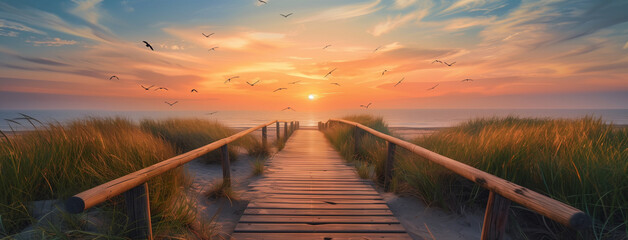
x=412 y=118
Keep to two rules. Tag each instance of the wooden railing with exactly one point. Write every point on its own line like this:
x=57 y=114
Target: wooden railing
x=134 y=185
x=501 y=194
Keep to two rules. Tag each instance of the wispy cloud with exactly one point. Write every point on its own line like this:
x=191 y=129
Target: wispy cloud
x=466 y=5
x=401 y=4
x=87 y=9
x=625 y=46
x=6 y=24
x=344 y=12
x=55 y=42
x=462 y=23
x=399 y=20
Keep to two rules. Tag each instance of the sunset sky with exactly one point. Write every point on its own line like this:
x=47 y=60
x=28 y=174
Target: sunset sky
x=519 y=54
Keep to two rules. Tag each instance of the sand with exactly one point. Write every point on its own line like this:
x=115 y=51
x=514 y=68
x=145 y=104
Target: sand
x=420 y=221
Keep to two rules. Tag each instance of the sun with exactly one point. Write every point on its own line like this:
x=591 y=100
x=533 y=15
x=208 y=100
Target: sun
x=311 y=96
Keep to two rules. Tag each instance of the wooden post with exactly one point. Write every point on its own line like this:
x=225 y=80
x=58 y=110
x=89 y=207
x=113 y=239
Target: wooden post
x=138 y=211
x=277 y=128
x=264 y=137
x=285 y=131
x=291 y=128
x=226 y=166
x=390 y=164
x=495 y=217
x=357 y=138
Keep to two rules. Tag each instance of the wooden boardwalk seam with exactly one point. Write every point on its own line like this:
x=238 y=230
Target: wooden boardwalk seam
x=309 y=192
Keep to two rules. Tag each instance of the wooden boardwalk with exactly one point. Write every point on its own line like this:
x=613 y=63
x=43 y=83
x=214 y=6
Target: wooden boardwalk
x=309 y=192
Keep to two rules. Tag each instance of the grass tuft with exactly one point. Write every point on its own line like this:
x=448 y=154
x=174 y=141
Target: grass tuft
x=258 y=166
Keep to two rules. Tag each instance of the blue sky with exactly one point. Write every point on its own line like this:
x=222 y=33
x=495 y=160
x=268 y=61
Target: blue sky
x=549 y=53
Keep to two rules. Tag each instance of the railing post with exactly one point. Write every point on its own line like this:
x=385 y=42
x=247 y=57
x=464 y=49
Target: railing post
x=277 y=128
x=495 y=217
x=138 y=211
x=390 y=164
x=226 y=166
x=285 y=131
x=264 y=137
x=291 y=127
x=357 y=138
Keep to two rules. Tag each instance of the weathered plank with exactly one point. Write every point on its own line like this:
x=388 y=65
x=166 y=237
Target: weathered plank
x=317 y=219
x=320 y=228
x=320 y=236
x=318 y=212
x=320 y=206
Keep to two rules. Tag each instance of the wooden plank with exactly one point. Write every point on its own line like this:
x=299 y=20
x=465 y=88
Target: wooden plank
x=317 y=219
x=314 y=188
x=308 y=200
x=319 y=228
x=320 y=236
x=318 y=206
x=495 y=217
x=327 y=197
x=315 y=212
x=314 y=192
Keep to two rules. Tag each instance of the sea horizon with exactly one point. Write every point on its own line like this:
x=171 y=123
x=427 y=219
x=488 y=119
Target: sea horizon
x=401 y=118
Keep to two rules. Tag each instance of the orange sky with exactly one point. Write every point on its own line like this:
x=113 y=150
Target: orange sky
x=519 y=54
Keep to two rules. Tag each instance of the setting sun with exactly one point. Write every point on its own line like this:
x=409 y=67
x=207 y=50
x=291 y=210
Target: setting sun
x=311 y=96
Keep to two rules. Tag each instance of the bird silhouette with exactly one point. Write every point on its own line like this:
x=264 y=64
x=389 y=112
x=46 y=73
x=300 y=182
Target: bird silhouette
x=148 y=45
x=286 y=15
x=326 y=46
x=399 y=81
x=212 y=49
x=449 y=64
x=384 y=72
x=212 y=113
x=262 y=1
x=335 y=83
x=365 y=106
x=161 y=88
x=437 y=61
x=207 y=35
x=328 y=202
x=279 y=89
x=193 y=90
x=229 y=79
x=114 y=76
x=175 y=102
x=377 y=49
x=329 y=73
x=146 y=88
x=287 y=108
x=467 y=80
x=252 y=84
x=432 y=88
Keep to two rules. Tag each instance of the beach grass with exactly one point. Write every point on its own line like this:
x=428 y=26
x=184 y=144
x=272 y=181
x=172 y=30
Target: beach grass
x=57 y=161
x=583 y=163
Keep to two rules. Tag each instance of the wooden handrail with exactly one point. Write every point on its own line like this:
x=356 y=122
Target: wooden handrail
x=546 y=206
x=91 y=197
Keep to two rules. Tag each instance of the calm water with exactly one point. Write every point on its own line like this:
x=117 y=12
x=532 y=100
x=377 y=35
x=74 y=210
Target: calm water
x=395 y=117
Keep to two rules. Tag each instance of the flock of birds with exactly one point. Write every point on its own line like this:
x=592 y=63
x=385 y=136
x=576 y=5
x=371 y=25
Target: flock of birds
x=228 y=80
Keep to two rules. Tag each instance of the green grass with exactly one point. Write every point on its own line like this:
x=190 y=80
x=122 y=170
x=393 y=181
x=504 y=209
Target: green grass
x=583 y=163
x=258 y=166
x=57 y=162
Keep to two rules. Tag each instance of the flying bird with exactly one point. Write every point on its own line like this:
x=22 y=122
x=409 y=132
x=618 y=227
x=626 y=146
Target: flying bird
x=262 y=1
x=399 y=81
x=365 y=106
x=148 y=45
x=286 y=15
x=384 y=72
x=194 y=90
x=432 y=88
x=329 y=73
x=252 y=84
x=467 y=80
x=326 y=46
x=437 y=61
x=335 y=83
x=161 y=88
x=212 y=113
x=287 y=109
x=114 y=76
x=229 y=79
x=212 y=49
x=146 y=88
x=279 y=89
x=449 y=64
x=207 y=35
x=377 y=49
x=175 y=102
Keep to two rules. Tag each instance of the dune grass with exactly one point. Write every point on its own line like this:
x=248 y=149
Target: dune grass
x=583 y=163
x=56 y=162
